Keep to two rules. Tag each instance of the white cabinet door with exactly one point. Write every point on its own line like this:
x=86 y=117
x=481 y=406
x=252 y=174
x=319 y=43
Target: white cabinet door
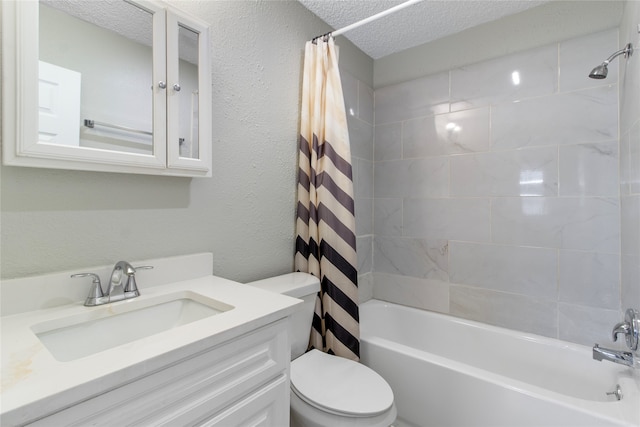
x=267 y=407
x=188 y=92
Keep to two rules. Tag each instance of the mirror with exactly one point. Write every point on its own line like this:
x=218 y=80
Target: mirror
x=188 y=92
x=95 y=75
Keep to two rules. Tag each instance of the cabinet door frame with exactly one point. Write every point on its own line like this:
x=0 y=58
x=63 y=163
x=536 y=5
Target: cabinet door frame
x=176 y=19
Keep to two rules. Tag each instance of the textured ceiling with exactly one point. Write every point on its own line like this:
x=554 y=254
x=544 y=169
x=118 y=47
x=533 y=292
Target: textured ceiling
x=415 y=25
x=126 y=19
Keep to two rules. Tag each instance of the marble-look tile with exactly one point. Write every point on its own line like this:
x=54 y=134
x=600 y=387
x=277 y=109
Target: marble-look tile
x=388 y=142
x=427 y=259
x=590 y=224
x=365 y=103
x=530 y=172
x=589 y=169
x=350 y=93
x=587 y=325
x=360 y=138
x=365 y=287
x=427 y=177
x=625 y=168
x=450 y=219
x=390 y=178
x=415 y=98
x=634 y=158
x=578 y=56
x=362 y=178
x=589 y=115
x=572 y=230
x=427 y=294
x=590 y=279
x=518 y=270
x=508 y=78
x=511 y=311
x=453 y=133
x=364 y=250
x=629 y=86
x=630 y=281
x=630 y=224
x=364 y=216
x=387 y=217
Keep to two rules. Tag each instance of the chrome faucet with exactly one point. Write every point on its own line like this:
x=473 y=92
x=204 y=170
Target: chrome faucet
x=631 y=330
x=622 y=357
x=122 y=284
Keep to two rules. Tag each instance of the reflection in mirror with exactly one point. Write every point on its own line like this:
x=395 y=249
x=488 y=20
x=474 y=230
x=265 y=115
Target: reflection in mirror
x=188 y=92
x=95 y=74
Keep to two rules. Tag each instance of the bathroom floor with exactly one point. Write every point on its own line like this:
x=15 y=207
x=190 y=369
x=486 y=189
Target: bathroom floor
x=399 y=422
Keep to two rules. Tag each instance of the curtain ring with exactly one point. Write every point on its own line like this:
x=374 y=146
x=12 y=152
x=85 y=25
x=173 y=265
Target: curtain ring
x=324 y=37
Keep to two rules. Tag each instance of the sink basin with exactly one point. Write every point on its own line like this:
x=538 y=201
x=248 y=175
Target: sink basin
x=111 y=325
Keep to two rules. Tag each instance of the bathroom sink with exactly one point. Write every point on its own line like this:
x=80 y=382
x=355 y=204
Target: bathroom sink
x=111 y=325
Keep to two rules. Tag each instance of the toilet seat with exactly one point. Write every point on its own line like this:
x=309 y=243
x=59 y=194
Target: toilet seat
x=339 y=386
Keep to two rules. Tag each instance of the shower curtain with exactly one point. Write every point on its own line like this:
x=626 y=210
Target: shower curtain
x=325 y=226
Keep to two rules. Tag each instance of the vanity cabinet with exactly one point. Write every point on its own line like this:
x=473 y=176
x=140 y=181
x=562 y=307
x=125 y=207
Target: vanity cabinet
x=122 y=86
x=242 y=382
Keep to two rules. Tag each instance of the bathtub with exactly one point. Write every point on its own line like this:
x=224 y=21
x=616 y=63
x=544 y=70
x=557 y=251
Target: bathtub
x=446 y=371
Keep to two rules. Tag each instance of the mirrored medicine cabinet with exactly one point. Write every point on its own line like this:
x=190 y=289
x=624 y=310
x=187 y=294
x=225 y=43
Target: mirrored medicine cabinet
x=112 y=86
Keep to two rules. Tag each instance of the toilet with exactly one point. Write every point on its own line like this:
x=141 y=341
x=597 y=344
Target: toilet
x=327 y=390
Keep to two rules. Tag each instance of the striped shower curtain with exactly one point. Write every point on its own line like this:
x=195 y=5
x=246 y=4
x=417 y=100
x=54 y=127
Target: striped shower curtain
x=325 y=226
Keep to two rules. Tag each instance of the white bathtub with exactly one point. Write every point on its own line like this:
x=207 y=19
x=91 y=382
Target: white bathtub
x=446 y=371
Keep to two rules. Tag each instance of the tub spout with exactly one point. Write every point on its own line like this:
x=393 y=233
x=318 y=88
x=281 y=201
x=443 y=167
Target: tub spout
x=621 y=357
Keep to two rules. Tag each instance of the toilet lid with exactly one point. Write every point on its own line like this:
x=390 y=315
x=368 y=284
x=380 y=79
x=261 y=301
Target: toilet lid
x=338 y=385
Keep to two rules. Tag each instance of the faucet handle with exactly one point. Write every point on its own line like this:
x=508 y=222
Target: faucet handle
x=131 y=285
x=630 y=328
x=96 y=288
x=620 y=328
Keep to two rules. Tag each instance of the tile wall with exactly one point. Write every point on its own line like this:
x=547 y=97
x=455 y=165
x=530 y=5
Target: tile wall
x=496 y=191
x=359 y=107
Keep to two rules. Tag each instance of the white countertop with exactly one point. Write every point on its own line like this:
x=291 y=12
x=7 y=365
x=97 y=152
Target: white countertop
x=33 y=380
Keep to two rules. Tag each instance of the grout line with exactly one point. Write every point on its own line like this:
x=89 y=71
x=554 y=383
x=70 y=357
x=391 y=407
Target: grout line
x=558 y=71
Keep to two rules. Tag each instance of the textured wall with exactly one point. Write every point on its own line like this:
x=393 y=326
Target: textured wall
x=496 y=191
x=56 y=220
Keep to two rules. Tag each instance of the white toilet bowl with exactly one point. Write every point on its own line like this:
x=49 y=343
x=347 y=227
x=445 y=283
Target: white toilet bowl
x=330 y=391
x=326 y=390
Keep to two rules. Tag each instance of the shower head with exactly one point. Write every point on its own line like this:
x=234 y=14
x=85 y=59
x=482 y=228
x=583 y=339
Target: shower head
x=601 y=71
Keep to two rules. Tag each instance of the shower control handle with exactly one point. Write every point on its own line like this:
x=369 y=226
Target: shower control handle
x=630 y=328
x=162 y=85
x=621 y=328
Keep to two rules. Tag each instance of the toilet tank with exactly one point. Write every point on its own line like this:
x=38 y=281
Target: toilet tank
x=303 y=286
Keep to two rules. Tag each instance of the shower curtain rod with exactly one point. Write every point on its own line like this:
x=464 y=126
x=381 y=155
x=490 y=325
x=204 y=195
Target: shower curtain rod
x=369 y=19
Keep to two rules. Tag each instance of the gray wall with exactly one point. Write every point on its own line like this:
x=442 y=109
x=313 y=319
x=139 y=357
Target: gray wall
x=630 y=160
x=56 y=220
x=454 y=225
